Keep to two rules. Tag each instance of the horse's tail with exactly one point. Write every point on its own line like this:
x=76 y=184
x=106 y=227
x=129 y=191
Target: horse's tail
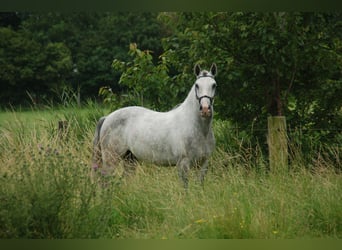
x=97 y=157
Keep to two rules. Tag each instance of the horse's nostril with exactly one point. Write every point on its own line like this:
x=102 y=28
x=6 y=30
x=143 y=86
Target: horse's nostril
x=201 y=107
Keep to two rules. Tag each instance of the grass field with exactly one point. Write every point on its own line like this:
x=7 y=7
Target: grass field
x=48 y=190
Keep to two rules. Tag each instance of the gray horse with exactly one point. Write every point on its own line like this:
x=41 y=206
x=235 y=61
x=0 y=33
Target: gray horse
x=182 y=136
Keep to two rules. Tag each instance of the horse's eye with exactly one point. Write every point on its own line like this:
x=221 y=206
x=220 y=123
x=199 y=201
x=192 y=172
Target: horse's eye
x=196 y=86
x=214 y=86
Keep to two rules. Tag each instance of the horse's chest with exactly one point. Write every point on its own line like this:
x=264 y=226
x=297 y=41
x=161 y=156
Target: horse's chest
x=200 y=146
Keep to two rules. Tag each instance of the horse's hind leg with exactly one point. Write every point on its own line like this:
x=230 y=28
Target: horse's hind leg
x=110 y=160
x=97 y=158
x=107 y=172
x=130 y=162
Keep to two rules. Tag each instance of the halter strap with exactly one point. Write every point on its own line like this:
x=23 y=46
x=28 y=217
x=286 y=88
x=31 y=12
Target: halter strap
x=205 y=76
x=205 y=96
x=199 y=98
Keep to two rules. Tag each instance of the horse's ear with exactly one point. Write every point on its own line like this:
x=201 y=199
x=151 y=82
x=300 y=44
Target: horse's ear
x=213 y=69
x=197 y=69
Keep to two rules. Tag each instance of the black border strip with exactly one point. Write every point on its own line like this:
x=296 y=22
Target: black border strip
x=171 y=5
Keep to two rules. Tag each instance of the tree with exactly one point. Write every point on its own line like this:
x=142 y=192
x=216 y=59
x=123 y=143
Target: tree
x=149 y=84
x=29 y=68
x=10 y=20
x=269 y=63
x=94 y=40
x=77 y=49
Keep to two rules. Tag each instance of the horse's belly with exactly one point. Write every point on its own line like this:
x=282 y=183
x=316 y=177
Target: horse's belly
x=168 y=151
x=157 y=155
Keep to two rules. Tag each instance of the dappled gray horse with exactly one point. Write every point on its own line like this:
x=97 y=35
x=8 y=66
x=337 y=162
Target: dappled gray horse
x=182 y=136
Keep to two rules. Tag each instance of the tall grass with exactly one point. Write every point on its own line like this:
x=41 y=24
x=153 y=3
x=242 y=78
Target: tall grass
x=48 y=191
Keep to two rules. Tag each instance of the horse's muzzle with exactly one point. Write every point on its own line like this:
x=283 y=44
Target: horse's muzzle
x=205 y=111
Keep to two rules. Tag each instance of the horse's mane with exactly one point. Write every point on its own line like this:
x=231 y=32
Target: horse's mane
x=204 y=73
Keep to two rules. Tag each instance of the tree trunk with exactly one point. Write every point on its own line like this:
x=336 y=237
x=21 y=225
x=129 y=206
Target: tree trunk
x=275 y=106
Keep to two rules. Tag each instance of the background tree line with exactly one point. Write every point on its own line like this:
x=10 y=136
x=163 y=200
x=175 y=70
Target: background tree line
x=269 y=63
x=42 y=54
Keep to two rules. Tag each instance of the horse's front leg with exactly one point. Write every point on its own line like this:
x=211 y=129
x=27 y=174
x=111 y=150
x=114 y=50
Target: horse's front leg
x=203 y=171
x=183 y=170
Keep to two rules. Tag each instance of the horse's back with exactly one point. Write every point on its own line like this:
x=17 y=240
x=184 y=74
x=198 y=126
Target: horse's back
x=128 y=116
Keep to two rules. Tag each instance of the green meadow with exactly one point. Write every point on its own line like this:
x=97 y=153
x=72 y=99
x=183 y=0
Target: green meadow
x=48 y=189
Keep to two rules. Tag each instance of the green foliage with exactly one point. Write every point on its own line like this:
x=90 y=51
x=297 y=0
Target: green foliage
x=39 y=69
x=109 y=97
x=148 y=84
x=269 y=64
x=42 y=53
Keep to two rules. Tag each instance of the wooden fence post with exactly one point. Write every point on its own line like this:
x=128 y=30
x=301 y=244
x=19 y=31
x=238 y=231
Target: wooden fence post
x=62 y=129
x=277 y=144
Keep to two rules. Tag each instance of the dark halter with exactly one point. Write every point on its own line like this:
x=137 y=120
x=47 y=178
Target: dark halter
x=205 y=76
x=199 y=98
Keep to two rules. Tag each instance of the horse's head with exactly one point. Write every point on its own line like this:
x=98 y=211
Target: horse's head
x=205 y=87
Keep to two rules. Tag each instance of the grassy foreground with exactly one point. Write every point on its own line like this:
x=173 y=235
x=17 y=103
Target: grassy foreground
x=48 y=191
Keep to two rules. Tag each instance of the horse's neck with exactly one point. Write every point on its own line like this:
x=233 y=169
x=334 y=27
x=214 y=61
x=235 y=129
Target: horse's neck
x=190 y=110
